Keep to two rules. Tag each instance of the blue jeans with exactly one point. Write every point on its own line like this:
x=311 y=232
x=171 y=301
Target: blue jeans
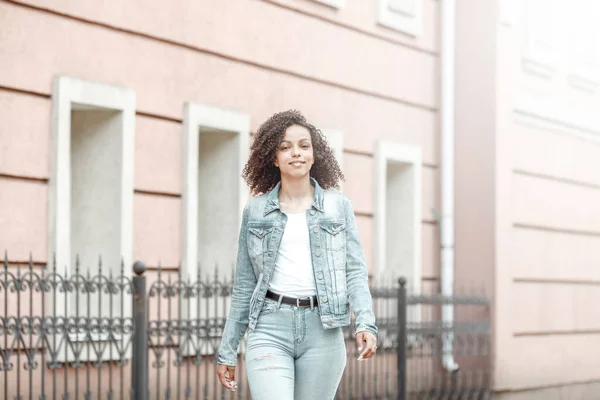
x=290 y=356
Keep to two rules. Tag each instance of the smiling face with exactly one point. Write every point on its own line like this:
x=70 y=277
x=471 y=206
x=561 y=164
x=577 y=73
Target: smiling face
x=295 y=156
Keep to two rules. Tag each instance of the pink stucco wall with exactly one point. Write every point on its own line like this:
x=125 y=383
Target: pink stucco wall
x=534 y=233
x=526 y=193
x=259 y=66
x=339 y=67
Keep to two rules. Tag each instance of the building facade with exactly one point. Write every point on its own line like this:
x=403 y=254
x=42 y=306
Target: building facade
x=126 y=126
x=527 y=174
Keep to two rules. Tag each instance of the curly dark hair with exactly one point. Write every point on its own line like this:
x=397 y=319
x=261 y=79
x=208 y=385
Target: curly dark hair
x=260 y=172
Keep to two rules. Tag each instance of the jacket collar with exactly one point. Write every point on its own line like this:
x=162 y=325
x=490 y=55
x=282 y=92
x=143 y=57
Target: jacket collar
x=273 y=197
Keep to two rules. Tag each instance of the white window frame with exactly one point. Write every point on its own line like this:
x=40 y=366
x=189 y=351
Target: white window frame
x=385 y=152
x=196 y=117
x=335 y=138
x=332 y=3
x=68 y=94
x=397 y=20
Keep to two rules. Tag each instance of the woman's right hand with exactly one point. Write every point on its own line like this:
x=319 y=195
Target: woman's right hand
x=226 y=374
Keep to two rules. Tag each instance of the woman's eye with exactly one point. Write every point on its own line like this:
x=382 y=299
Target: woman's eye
x=284 y=148
x=305 y=146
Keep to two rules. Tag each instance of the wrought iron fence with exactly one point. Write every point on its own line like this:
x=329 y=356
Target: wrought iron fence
x=105 y=334
x=61 y=334
x=432 y=347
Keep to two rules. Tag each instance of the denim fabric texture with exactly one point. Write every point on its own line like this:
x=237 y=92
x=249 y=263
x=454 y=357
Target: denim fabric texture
x=339 y=266
x=290 y=356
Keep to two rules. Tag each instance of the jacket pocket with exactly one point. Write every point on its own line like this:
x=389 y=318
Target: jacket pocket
x=334 y=239
x=258 y=243
x=335 y=235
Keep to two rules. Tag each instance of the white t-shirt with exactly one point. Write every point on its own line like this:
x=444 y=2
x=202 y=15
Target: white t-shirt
x=293 y=274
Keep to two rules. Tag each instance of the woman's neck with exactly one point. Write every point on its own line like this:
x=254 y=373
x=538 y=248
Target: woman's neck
x=296 y=195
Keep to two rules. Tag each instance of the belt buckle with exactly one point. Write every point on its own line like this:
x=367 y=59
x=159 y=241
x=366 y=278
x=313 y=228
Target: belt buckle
x=297 y=301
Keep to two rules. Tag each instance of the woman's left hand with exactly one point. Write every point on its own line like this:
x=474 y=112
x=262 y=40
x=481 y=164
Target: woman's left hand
x=366 y=343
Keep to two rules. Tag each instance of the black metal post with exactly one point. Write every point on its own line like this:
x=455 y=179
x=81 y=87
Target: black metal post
x=139 y=359
x=401 y=393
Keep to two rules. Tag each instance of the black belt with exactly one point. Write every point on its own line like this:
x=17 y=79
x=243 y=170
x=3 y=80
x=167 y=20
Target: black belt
x=304 y=302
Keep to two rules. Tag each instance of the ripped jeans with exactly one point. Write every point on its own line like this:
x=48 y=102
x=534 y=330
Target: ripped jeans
x=289 y=356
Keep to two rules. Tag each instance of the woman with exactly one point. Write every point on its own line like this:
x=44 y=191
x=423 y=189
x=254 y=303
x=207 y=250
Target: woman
x=300 y=266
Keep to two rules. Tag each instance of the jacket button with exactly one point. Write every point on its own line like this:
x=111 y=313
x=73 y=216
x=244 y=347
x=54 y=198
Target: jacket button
x=315 y=229
x=329 y=322
x=320 y=276
x=312 y=212
x=318 y=253
x=323 y=299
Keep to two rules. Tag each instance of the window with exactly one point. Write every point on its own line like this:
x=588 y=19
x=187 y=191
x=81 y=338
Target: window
x=398 y=202
x=402 y=15
x=91 y=190
x=216 y=148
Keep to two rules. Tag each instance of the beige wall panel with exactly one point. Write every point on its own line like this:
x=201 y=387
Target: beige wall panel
x=358 y=170
x=24 y=219
x=362 y=15
x=539 y=254
x=258 y=32
x=475 y=143
x=544 y=202
x=25 y=135
x=157 y=230
x=552 y=307
x=431 y=251
x=535 y=361
x=41 y=51
x=559 y=155
x=158 y=155
x=431 y=193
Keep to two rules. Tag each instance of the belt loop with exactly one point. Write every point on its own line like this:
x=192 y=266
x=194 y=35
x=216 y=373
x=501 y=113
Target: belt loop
x=279 y=301
x=312 y=304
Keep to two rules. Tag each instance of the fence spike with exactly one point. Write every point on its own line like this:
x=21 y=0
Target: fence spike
x=77 y=264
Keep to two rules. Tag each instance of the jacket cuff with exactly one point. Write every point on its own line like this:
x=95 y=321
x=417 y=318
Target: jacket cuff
x=223 y=361
x=366 y=330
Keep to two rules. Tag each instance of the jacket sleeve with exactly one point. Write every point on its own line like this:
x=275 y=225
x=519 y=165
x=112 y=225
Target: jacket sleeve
x=357 y=278
x=243 y=286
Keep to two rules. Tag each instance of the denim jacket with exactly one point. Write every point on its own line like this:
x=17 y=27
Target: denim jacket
x=339 y=266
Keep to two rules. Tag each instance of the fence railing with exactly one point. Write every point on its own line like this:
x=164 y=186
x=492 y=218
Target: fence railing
x=111 y=335
x=429 y=343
